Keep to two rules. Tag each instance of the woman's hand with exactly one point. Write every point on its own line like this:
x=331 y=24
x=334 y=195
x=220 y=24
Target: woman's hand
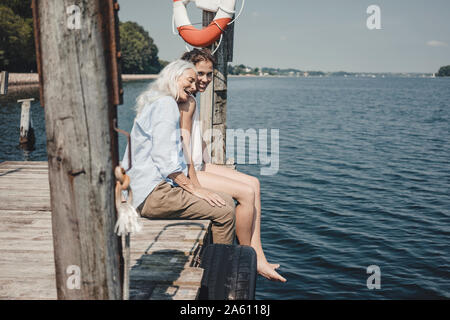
x=212 y=198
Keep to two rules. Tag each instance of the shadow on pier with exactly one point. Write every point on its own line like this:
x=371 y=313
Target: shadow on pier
x=168 y=269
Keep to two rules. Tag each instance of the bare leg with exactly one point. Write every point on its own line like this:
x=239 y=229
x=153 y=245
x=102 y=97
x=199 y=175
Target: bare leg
x=242 y=193
x=238 y=185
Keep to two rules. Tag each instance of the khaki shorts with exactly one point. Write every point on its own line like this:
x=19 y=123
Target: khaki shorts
x=168 y=202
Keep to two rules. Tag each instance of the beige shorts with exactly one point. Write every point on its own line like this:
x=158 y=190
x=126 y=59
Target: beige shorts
x=168 y=202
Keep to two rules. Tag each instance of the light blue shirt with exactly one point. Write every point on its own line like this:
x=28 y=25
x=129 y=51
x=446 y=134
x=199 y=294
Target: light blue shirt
x=156 y=149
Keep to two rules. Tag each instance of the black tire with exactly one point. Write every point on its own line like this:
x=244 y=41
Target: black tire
x=229 y=273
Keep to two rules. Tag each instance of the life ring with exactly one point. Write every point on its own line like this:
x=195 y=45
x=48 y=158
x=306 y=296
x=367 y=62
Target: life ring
x=206 y=36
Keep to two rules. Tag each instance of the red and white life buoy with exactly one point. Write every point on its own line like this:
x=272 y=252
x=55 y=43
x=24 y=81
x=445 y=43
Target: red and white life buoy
x=206 y=36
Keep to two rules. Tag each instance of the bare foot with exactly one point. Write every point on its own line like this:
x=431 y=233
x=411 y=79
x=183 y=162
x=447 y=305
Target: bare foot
x=268 y=271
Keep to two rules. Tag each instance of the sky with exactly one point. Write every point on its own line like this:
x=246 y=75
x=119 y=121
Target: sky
x=326 y=35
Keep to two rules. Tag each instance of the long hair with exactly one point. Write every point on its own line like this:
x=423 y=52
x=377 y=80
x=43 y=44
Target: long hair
x=165 y=85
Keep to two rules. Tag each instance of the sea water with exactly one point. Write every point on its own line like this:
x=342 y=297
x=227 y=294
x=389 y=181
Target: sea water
x=363 y=180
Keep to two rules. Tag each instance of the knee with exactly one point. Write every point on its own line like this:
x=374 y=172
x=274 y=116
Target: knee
x=228 y=212
x=247 y=195
x=230 y=206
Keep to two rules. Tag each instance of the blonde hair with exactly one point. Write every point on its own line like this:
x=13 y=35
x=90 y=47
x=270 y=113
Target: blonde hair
x=165 y=85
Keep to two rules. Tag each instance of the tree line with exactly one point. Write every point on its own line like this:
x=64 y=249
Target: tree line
x=444 y=72
x=17 y=52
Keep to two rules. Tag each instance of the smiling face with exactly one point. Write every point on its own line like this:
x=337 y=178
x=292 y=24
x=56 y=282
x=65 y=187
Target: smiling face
x=186 y=84
x=205 y=73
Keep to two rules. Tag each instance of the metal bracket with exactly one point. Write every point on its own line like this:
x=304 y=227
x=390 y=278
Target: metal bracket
x=112 y=50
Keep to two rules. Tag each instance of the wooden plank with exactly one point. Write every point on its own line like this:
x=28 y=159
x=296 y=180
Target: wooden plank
x=30 y=206
x=24 y=169
x=36 y=178
x=162 y=255
x=217 y=116
x=24 y=187
x=20 y=173
x=28 y=289
x=18 y=184
x=206 y=115
x=18 y=213
x=28 y=271
x=22 y=201
x=37 y=258
x=19 y=194
x=24 y=164
x=10 y=179
x=22 y=191
x=27 y=245
x=81 y=148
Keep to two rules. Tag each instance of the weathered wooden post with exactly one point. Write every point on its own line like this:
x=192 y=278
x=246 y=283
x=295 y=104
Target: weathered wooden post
x=213 y=102
x=77 y=50
x=27 y=138
x=4 y=82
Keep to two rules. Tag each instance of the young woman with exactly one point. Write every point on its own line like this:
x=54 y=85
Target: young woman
x=242 y=187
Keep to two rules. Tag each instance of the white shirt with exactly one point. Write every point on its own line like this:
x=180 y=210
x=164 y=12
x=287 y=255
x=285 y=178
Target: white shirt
x=156 y=149
x=198 y=157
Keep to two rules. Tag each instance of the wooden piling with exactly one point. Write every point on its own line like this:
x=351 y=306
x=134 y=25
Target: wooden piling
x=76 y=67
x=26 y=138
x=213 y=103
x=4 y=82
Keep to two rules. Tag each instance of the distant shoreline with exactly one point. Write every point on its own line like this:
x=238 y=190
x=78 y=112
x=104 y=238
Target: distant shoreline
x=19 y=79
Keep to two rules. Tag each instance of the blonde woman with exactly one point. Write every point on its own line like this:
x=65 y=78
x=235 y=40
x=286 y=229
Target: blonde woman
x=159 y=175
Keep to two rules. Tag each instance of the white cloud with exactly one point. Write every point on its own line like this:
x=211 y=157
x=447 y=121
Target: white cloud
x=283 y=38
x=435 y=43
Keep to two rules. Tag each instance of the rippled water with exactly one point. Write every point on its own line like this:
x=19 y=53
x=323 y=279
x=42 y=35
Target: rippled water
x=364 y=179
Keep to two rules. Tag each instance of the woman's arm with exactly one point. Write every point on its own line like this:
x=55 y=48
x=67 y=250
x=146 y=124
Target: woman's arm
x=186 y=114
x=192 y=184
x=184 y=182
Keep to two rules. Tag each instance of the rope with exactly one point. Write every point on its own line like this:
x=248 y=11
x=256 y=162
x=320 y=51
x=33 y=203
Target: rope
x=218 y=26
x=240 y=11
x=220 y=41
x=127 y=223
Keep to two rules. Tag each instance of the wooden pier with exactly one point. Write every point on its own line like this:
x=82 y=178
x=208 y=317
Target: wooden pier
x=164 y=255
